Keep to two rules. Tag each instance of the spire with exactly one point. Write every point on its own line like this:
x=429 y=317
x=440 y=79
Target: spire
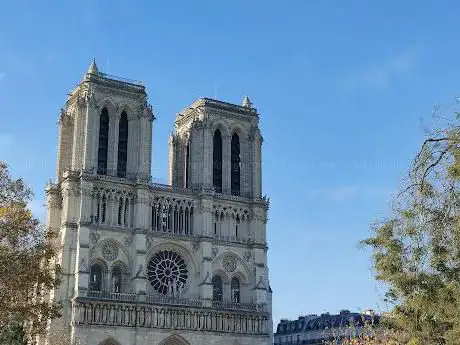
x=247 y=103
x=93 y=67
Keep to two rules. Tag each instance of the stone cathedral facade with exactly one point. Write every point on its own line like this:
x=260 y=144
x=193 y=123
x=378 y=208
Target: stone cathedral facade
x=146 y=263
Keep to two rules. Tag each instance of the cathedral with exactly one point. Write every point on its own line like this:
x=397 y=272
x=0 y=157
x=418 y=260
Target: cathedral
x=146 y=263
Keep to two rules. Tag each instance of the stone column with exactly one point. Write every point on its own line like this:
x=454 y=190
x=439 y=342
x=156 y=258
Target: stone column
x=226 y=163
x=197 y=155
x=79 y=135
x=207 y=182
x=257 y=165
x=112 y=154
x=206 y=271
x=92 y=135
x=141 y=225
x=206 y=250
x=95 y=138
x=82 y=247
x=133 y=147
x=180 y=160
x=145 y=143
x=65 y=144
x=172 y=161
x=140 y=266
x=245 y=183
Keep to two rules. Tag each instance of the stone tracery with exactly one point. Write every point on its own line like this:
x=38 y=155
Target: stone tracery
x=172 y=215
x=167 y=273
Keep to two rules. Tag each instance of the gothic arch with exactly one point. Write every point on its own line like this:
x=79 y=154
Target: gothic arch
x=238 y=129
x=98 y=271
x=174 y=339
x=128 y=109
x=222 y=127
x=181 y=249
x=241 y=272
x=109 y=104
x=123 y=256
x=109 y=341
x=222 y=274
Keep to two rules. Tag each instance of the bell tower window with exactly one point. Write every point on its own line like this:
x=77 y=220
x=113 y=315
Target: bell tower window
x=122 y=145
x=235 y=165
x=187 y=166
x=217 y=161
x=103 y=142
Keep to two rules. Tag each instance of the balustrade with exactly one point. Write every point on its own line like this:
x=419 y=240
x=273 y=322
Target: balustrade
x=113 y=313
x=123 y=297
x=173 y=301
x=234 y=239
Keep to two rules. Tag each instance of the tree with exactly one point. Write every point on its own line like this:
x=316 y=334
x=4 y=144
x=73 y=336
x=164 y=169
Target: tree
x=13 y=334
x=416 y=250
x=27 y=254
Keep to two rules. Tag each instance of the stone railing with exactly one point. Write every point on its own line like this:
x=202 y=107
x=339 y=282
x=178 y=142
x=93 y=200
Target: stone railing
x=154 y=299
x=233 y=239
x=112 y=313
x=238 y=306
x=172 y=301
x=122 y=297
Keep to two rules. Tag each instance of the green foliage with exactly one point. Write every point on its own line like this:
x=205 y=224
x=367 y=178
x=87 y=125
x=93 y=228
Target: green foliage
x=27 y=259
x=416 y=251
x=13 y=334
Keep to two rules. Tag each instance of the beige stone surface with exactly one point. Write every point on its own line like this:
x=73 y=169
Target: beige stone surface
x=124 y=222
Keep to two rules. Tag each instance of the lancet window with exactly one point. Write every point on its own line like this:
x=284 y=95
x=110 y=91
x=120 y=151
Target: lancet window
x=217 y=288
x=217 y=161
x=122 y=145
x=97 y=274
x=235 y=165
x=172 y=217
x=111 y=208
x=120 y=278
x=187 y=166
x=103 y=142
x=235 y=290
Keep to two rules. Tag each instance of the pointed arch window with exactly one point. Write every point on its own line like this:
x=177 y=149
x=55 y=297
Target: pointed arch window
x=103 y=142
x=122 y=145
x=187 y=165
x=117 y=279
x=217 y=289
x=235 y=165
x=217 y=161
x=235 y=290
x=96 y=277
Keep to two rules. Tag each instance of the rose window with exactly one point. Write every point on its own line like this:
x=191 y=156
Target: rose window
x=167 y=272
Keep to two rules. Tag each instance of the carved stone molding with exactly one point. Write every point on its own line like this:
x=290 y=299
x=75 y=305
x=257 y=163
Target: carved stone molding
x=229 y=263
x=94 y=237
x=247 y=255
x=110 y=250
x=128 y=240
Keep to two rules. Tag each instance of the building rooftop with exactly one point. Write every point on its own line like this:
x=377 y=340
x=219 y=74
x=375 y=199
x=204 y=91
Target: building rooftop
x=246 y=109
x=95 y=75
x=317 y=322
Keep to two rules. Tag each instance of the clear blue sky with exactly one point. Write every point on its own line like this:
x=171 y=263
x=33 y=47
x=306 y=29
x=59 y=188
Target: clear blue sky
x=341 y=87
